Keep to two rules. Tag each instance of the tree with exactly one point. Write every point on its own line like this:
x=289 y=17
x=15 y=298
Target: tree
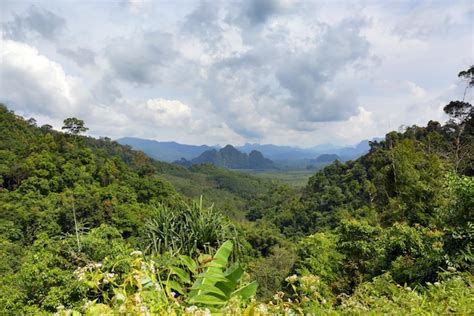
x=469 y=75
x=74 y=126
x=462 y=124
x=46 y=127
x=459 y=110
x=31 y=121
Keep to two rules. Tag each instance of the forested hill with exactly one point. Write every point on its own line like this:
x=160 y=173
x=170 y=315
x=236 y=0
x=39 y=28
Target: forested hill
x=91 y=226
x=106 y=163
x=229 y=157
x=402 y=213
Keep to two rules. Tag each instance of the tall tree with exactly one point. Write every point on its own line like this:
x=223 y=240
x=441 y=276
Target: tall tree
x=461 y=123
x=74 y=126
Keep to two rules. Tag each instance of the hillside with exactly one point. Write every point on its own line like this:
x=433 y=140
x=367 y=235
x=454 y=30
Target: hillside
x=90 y=225
x=229 y=157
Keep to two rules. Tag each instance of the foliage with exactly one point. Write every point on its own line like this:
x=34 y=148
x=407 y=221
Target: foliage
x=388 y=233
x=457 y=221
x=74 y=126
x=137 y=284
x=318 y=255
x=191 y=231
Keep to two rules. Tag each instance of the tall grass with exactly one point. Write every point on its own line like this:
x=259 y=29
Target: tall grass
x=190 y=230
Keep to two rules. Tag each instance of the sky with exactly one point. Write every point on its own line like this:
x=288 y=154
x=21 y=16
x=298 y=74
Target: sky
x=285 y=72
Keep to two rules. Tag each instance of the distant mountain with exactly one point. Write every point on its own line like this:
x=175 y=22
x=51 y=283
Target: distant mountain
x=164 y=151
x=325 y=158
x=172 y=151
x=350 y=153
x=230 y=157
x=278 y=153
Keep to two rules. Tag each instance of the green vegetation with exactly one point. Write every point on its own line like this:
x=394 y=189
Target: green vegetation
x=296 y=178
x=91 y=226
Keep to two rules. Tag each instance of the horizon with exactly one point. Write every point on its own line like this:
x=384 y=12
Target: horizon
x=340 y=145
x=286 y=73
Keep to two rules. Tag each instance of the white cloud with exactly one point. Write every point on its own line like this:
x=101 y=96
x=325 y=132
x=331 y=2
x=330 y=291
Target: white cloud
x=165 y=113
x=220 y=71
x=33 y=83
x=415 y=90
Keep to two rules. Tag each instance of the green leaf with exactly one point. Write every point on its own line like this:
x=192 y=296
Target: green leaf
x=232 y=275
x=205 y=289
x=189 y=263
x=222 y=255
x=212 y=276
x=170 y=284
x=247 y=291
x=207 y=299
x=183 y=275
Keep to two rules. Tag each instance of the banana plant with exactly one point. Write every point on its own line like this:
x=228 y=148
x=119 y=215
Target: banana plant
x=215 y=283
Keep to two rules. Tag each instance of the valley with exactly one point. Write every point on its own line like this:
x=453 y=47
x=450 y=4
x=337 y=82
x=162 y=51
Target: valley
x=227 y=158
x=73 y=205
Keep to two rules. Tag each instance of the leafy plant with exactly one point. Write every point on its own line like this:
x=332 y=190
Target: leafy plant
x=190 y=230
x=215 y=283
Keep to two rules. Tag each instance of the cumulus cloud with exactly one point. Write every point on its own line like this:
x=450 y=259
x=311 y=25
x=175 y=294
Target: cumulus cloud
x=33 y=83
x=34 y=21
x=142 y=59
x=292 y=84
x=219 y=71
x=163 y=113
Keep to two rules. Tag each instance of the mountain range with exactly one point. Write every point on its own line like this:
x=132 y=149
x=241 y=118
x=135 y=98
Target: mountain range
x=172 y=151
x=230 y=157
x=164 y=151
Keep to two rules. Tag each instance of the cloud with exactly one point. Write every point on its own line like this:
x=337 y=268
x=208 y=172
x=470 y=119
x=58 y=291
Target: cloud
x=105 y=90
x=415 y=90
x=203 y=22
x=35 y=21
x=137 y=6
x=81 y=56
x=162 y=113
x=142 y=59
x=259 y=11
x=433 y=19
x=291 y=85
x=33 y=83
x=219 y=71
